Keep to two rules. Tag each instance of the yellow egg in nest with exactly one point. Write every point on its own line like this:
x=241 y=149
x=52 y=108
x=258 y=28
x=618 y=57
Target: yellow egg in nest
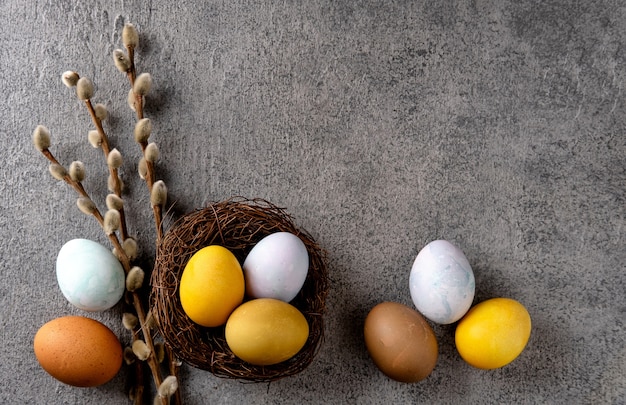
x=211 y=286
x=266 y=331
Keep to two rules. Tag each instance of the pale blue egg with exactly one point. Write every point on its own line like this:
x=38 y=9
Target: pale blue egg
x=89 y=275
x=442 y=282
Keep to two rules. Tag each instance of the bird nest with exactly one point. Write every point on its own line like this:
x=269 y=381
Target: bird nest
x=236 y=224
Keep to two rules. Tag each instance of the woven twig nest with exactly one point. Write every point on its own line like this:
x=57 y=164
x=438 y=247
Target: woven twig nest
x=236 y=224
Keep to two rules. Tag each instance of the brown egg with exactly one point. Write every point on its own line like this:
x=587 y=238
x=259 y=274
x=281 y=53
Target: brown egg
x=400 y=342
x=78 y=351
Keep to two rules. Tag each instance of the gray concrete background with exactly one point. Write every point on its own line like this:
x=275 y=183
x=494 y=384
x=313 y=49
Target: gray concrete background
x=380 y=126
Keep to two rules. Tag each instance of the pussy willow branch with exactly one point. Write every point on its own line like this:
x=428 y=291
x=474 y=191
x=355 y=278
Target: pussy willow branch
x=125 y=261
x=117 y=185
x=131 y=73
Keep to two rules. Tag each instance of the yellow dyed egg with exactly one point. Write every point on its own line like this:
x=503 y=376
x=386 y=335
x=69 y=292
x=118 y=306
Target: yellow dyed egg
x=493 y=333
x=266 y=331
x=211 y=286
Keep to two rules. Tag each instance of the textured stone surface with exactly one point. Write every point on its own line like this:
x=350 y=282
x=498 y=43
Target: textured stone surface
x=497 y=125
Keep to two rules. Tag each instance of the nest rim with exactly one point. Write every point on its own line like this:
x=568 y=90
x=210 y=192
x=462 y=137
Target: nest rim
x=237 y=224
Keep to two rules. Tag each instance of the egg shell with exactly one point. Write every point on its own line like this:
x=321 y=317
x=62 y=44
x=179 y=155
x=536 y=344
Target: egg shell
x=89 y=275
x=493 y=333
x=276 y=267
x=400 y=342
x=266 y=331
x=78 y=351
x=211 y=286
x=442 y=282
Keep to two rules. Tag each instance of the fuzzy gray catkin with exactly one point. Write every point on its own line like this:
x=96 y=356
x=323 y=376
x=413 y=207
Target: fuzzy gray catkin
x=131 y=100
x=129 y=356
x=130 y=36
x=111 y=183
x=77 y=171
x=141 y=349
x=69 y=78
x=114 y=202
x=111 y=222
x=130 y=248
x=129 y=320
x=134 y=279
x=143 y=83
x=152 y=152
x=94 y=138
x=57 y=171
x=84 y=88
x=121 y=60
x=41 y=138
x=158 y=194
x=101 y=111
x=142 y=131
x=142 y=168
x=168 y=387
x=86 y=205
x=114 y=159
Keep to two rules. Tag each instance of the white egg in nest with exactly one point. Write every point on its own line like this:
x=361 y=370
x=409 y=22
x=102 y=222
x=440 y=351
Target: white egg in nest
x=276 y=267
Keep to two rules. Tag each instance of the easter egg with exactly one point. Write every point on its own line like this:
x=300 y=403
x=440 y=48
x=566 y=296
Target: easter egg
x=442 y=282
x=78 y=351
x=276 y=267
x=493 y=333
x=211 y=286
x=400 y=342
x=89 y=275
x=266 y=331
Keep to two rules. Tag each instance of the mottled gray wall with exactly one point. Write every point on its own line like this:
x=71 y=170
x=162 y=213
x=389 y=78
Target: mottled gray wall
x=380 y=126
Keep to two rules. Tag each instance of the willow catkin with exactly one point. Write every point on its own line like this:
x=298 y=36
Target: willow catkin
x=134 y=279
x=41 y=138
x=114 y=202
x=77 y=171
x=142 y=168
x=152 y=152
x=131 y=100
x=130 y=36
x=143 y=83
x=114 y=159
x=112 y=182
x=121 y=60
x=168 y=387
x=101 y=111
x=112 y=221
x=94 y=138
x=159 y=351
x=142 y=131
x=141 y=349
x=129 y=356
x=130 y=320
x=130 y=248
x=84 y=88
x=86 y=205
x=158 y=194
x=69 y=78
x=57 y=171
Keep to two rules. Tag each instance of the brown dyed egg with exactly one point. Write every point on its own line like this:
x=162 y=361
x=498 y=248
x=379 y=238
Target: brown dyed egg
x=400 y=342
x=78 y=351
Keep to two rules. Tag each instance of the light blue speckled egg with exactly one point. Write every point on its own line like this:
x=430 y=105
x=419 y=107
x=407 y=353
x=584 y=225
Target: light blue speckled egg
x=89 y=275
x=442 y=282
